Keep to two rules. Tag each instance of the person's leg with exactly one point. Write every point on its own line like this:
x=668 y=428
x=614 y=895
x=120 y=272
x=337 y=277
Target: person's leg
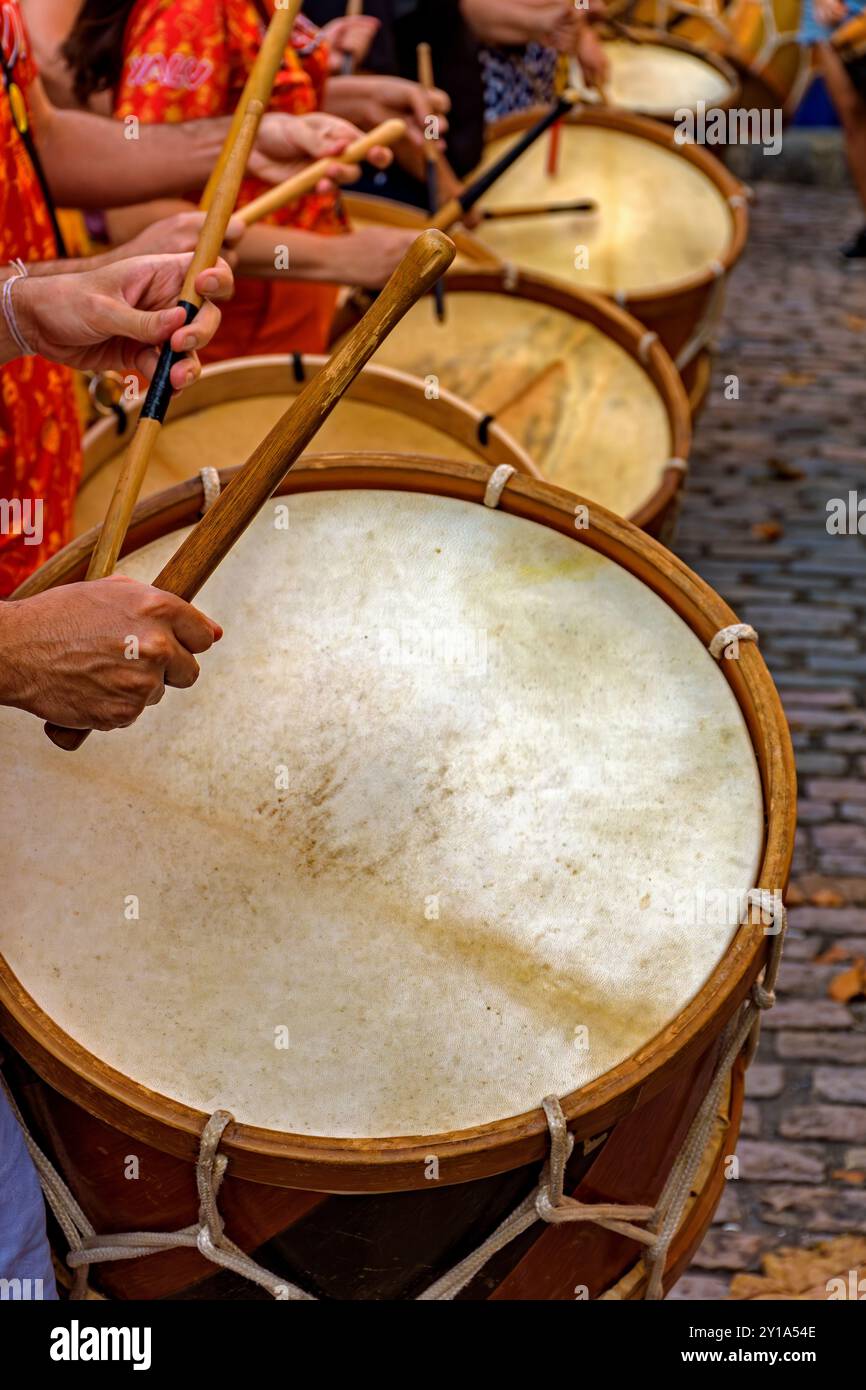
x=26 y=1270
x=851 y=109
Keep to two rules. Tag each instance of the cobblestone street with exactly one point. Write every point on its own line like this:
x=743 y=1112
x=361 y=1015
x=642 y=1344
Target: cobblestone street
x=754 y=525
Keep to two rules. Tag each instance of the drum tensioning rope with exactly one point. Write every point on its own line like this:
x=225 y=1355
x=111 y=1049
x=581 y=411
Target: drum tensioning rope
x=654 y=1227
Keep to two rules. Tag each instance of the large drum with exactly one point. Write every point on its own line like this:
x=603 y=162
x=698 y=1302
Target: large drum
x=587 y=392
x=670 y=222
x=219 y=421
x=431 y=842
x=662 y=76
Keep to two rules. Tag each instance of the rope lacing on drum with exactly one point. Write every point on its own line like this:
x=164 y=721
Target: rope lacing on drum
x=727 y=636
x=496 y=484
x=210 y=486
x=207 y=1235
x=548 y=1202
x=659 y=1223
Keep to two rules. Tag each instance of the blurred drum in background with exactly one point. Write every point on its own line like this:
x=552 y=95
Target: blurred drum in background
x=662 y=76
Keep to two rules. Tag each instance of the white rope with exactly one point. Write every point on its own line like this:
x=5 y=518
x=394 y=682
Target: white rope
x=210 y=486
x=547 y=1202
x=644 y=346
x=496 y=484
x=207 y=1236
x=737 y=632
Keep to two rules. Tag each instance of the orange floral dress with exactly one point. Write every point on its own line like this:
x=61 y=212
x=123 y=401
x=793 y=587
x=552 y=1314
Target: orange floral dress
x=185 y=59
x=40 y=434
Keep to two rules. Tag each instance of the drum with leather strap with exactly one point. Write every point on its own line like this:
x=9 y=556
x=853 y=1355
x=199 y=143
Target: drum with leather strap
x=587 y=391
x=760 y=39
x=413 y=953
x=217 y=422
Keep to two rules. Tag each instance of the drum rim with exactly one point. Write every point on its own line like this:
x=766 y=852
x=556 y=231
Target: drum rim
x=730 y=188
x=666 y=39
x=391 y=1164
x=370 y=387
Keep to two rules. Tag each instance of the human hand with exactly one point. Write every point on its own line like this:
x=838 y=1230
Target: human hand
x=95 y=655
x=117 y=317
x=286 y=145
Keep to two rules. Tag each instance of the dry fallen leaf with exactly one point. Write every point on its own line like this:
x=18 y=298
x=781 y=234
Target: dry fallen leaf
x=768 y=530
x=850 y=984
x=795 y=897
x=832 y=956
x=854 y=322
x=783 y=469
x=797 y=378
x=803 y=1274
x=850 y=1175
x=827 y=897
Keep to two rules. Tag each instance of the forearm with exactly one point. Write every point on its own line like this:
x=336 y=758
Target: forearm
x=123 y=224
x=264 y=250
x=90 y=163
x=508 y=22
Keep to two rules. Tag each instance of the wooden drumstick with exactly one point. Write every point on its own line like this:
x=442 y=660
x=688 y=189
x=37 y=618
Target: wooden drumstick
x=159 y=392
x=211 y=540
x=431 y=156
x=455 y=208
x=258 y=87
x=353 y=9
x=388 y=133
x=537 y=210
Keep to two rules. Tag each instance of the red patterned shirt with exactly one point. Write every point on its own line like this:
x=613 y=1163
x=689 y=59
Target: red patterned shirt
x=40 y=434
x=185 y=59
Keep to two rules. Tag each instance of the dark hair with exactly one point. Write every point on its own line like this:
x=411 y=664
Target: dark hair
x=94 y=49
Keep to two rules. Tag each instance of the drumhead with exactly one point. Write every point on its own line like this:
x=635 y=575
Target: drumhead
x=661 y=220
x=550 y=370
x=659 y=79
x=418 y=849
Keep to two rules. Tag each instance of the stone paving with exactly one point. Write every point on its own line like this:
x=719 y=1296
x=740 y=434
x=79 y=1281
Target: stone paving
x=764 y=468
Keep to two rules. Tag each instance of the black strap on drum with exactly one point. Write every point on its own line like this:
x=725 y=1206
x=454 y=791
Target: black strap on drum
x=298 y=368
x=484 y=429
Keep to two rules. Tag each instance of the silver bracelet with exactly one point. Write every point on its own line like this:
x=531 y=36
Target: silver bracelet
x=20 y=273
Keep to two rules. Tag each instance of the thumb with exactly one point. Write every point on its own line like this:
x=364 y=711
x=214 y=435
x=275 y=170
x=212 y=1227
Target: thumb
x=152 y=326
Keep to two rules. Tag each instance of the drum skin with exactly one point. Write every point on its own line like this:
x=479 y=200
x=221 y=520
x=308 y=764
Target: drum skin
x=662 y=76
x=644 y=1105
x=576 y=381
x=221 y=418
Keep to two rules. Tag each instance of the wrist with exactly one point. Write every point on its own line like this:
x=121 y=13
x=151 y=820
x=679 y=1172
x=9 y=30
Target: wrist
x=26 y=295
x=206 y=138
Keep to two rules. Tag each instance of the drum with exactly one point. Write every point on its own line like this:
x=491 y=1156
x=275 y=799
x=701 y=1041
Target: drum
x=760 y=38
x=661 y=76
x=221 y=418
x=406 y=895
x=365 y=211
x=591 y=396
x=670 y=224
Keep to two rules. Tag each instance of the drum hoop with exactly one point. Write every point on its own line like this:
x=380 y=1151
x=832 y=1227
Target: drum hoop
x=390 y=1164
x=731 y=189
x=223 y=382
